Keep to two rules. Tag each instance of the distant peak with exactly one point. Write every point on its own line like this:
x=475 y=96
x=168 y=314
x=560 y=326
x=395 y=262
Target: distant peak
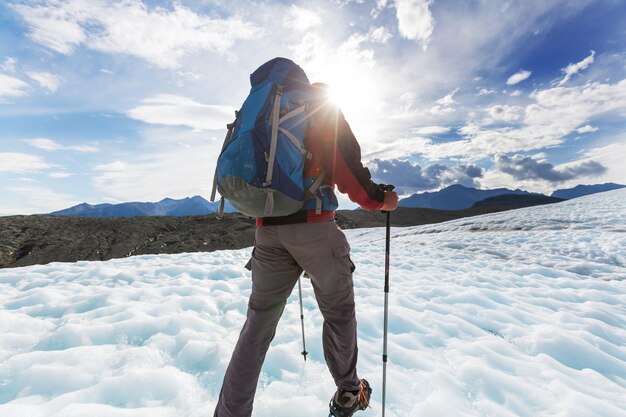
x=456 y=186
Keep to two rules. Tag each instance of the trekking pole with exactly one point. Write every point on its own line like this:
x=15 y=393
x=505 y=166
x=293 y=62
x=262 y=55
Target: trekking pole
x=386 y=320
x=304 y=352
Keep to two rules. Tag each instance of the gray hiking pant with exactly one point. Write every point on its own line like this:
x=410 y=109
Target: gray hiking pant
x=280 y=255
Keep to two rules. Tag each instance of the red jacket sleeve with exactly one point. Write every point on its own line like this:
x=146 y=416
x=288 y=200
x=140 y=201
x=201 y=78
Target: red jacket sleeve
x=342 y=160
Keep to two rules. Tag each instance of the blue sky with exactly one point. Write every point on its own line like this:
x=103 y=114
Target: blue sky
x=111 y=101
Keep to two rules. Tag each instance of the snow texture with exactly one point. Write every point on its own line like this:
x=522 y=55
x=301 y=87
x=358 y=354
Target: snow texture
x=520 y=313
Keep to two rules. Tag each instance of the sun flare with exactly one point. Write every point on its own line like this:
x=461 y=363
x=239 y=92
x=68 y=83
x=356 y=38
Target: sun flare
x=351 y=91
x=356 y=91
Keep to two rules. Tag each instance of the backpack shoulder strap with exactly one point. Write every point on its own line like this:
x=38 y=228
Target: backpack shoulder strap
x=275 y=120
x=229 y=135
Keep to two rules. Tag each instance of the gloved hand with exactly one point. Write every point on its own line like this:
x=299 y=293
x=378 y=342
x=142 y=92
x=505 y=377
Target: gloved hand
x=391 y=198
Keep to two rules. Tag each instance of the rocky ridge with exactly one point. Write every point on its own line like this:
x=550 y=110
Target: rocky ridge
x=40 y=239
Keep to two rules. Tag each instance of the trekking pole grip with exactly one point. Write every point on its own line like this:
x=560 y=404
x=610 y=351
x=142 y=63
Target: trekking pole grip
x=385 y=188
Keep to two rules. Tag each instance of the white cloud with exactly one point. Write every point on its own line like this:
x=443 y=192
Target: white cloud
x=380 y=5
x=494 y=178
x=82 y=148
x=353 y=53
x=415 y=21
x=555 y=113
x=611 y=156
x=504 y=113
x=312 y=53
x=470 y=129
x=573 y=69
x=407 y=101
x=160 y=36
x=300 y=19
x=37 y=199
x=448 y=100
x=52 y=146
x=523 y=167
x=15 y=162
x=11 y=86
x=409 y=177
x=398 y=148
x=45 y=79
x=440 y=110
x=57 y=175
x=174 y=110
x=52 y=26
x=153 y=176
x=486 y=92
x=117 y=166
x=587 y=129
x=518 y=77
x=44 y=144
x=445 y=104
x=516 y=93
x=9 y=64
x=380 y=35
x=430 y=130
x=575 y=105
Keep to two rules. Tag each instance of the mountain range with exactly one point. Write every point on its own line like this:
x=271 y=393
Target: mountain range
x=459 y=197
x=190 y=206
x=581 y=190
x=454 y=197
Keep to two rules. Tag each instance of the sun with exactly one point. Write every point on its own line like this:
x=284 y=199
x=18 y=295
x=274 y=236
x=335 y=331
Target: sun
x=336 y=96
x=356 y=89
x=349 y=91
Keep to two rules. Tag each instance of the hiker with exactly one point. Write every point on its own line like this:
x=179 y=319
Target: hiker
x=308 y=240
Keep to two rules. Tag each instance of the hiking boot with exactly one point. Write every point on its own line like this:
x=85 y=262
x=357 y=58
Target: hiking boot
x=346 y=403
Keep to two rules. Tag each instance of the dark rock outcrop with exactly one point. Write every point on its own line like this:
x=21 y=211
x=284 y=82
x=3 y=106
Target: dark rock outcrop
x=40 y=239
x=582 y=190
x=517 y=201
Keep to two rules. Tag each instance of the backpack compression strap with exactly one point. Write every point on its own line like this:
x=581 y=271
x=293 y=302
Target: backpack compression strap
x=312 y=192
x=289 y=135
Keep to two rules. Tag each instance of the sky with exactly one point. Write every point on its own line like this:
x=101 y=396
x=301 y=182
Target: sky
x=115 y=101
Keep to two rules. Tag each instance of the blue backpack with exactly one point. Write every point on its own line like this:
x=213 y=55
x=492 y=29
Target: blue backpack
x=260 y=169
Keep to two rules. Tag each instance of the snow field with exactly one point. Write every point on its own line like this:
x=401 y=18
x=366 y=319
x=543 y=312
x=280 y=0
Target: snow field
x=521 y=313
